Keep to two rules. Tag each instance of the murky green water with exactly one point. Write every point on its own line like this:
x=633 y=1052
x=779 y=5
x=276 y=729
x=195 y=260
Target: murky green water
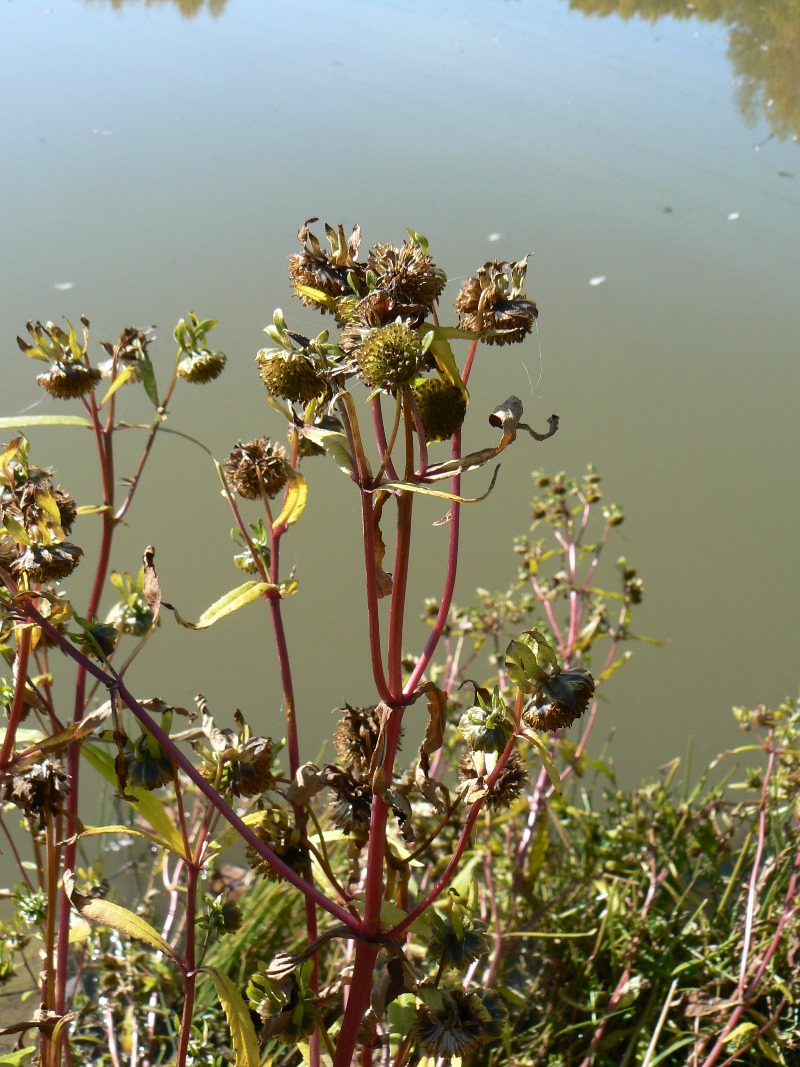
x=157 y=163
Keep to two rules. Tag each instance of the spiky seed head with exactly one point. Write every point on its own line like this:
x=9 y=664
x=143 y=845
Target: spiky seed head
x=407 y=274
x=256 y=467
x=389 y=356
x=201 y=366
x=453 y=1028
x=251 y=768
x=149 y=767
x=328 y=272
x=291 y=375
x=356 y=736
x=276 y=829
x=510 y=782
x=68 y=380
x=39 y=790
x=442 y=408
x=47 y=563
x=494 y=300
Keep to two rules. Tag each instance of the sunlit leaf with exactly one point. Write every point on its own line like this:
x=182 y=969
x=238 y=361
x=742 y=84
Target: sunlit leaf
x=547 y=760
x=426 y=490
x=240 y=1025
x=226 y=605
x=317 y=296
x=119 y=381
x=18 y=421
x=296 y=497
x=107 y=913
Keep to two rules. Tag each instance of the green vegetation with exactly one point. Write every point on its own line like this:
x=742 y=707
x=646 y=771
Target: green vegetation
x=465 y=884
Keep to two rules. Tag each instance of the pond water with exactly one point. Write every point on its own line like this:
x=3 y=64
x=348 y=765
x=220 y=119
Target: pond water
x=159 y=157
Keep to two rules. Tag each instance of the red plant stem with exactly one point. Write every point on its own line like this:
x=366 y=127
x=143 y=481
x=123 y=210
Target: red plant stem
x=449 y=581
x=104 y=439
x=175 y=753
x=357 y=1002
x=18 y=702
x=371 y=582
x=293 y=744
x=190 y=976
x=445 y=879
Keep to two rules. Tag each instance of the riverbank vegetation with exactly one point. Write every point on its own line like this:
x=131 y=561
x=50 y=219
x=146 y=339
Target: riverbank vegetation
x=460 y=880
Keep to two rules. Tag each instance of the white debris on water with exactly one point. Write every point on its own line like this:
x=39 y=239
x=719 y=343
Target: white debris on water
x=597 y=280
x=61 y=286
x=733 y=216
x=495 y=237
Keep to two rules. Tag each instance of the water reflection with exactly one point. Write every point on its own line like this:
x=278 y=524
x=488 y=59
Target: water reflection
x=764 y=49
x=188 y=8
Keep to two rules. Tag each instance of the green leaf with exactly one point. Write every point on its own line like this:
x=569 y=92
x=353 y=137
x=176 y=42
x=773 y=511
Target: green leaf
x=119 y=381
x=416 y=487
x=226 y=605
x=441 y=351
x=147 y=806
x=149 y=379
x=17 y=1059
x=15 y=529
x=107 y=913
x=547 y=760
x=317 y=296
x=19 y=421
x=240 y=1025
x=615 y=666
x=96 y=831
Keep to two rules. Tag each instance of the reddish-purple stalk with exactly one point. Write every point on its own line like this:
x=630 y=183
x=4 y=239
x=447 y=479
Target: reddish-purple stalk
x=293 y=743
x=105 y=451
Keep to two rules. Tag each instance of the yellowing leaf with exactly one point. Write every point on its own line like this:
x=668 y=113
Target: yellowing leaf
x=243 y=1035
x=18 y=421
x=296 y=497
x=547 y=760
x=120 y=379
x=226 y=605
x=106 y=913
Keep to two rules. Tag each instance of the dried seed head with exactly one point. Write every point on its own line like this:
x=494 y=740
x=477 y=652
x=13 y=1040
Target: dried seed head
x=560 y=700
x=276 y=829
x=407 y=274
x=510 y=783
x=39 y=790
x=251 y=768
x=149 y=767
x=67 y=380
x=129 y=352
x=260 y=466
x=356 y=736
x=454 y=1027
x=493 y=301
x=202 y=366
x=326 y=271
x=352 y=801
x=389 y=357
x=47 y=563
x=291 y=375
x=442 y=408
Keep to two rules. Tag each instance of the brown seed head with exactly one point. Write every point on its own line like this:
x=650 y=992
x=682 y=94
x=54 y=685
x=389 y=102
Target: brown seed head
x=494 y=300
x=260 y=466
x=442 y=408
x=326 y=271
x=68 y=380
